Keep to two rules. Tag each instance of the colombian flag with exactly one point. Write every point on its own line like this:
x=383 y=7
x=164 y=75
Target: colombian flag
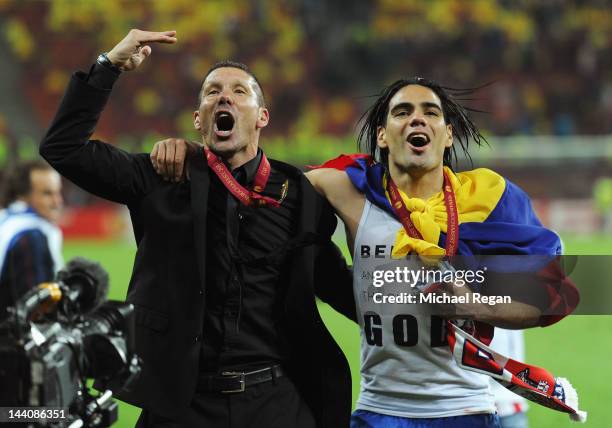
x=495 y=215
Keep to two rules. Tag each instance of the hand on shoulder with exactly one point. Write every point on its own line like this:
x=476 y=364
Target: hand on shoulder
x=170 y=158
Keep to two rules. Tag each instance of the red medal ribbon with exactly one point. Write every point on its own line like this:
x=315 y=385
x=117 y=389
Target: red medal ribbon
x=247 y=197
x=452 y=232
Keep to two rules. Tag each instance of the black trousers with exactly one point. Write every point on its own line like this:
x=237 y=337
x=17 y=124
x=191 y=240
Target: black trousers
x=274 y=404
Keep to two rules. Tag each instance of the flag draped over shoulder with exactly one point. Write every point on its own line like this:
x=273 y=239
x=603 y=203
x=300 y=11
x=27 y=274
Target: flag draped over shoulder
x=495 y=218
x=495 y=215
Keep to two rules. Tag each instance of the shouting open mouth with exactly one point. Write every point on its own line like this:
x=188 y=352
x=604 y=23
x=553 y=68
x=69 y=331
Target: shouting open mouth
x=418 y=140
x=224 y=124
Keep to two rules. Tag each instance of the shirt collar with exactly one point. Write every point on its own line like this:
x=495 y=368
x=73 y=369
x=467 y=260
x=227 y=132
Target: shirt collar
x=250 y=168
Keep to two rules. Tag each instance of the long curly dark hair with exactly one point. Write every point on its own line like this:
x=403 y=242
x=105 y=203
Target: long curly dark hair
x=454 y=113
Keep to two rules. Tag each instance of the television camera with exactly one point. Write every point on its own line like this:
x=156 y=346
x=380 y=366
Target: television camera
x=60 y=334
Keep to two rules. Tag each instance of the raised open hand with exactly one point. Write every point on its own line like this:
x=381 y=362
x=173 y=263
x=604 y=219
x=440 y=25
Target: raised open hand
x=130 y=52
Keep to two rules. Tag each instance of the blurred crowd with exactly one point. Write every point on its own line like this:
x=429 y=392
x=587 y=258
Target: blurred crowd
x=545 y=65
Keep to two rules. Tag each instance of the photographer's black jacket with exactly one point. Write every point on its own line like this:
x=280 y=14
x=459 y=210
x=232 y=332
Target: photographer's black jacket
x=168 y=284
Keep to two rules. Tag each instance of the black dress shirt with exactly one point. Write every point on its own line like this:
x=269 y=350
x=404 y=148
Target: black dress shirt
x=245 y=293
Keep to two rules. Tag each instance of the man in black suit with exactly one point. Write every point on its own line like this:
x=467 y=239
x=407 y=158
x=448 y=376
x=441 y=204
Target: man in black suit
x=227 y=264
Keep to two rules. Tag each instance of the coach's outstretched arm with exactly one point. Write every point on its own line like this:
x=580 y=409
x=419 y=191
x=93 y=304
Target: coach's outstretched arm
x=95 y=166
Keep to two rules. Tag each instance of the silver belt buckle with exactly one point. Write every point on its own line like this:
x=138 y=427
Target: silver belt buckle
x=235 y=375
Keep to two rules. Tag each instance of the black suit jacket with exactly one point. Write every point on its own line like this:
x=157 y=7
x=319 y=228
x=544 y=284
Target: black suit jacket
x=168 y=287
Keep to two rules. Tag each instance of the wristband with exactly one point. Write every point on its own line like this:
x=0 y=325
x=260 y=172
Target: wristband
x=105 y=62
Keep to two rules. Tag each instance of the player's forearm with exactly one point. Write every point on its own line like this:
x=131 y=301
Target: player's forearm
x=511 y=316
x=499 y=310
x=527 y=299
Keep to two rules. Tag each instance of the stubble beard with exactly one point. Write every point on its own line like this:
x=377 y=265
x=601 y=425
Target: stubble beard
x=222 y=148
x=412 y=165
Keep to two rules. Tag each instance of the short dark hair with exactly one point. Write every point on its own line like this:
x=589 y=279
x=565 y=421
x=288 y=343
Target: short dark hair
x=454 y=113
x=18 y=182
x=234 y=64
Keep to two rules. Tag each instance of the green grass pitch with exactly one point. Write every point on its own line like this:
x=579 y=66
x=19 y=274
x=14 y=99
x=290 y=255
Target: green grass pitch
x=578 y=347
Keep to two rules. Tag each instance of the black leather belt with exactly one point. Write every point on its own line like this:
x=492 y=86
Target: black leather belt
x=229 y=382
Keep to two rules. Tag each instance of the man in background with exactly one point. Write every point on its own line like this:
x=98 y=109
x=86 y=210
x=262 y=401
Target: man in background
x=30 y=241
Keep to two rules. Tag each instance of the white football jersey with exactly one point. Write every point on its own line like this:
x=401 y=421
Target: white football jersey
x=406 y=366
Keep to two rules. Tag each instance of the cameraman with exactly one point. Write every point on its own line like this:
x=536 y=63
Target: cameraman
x=30 y=241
